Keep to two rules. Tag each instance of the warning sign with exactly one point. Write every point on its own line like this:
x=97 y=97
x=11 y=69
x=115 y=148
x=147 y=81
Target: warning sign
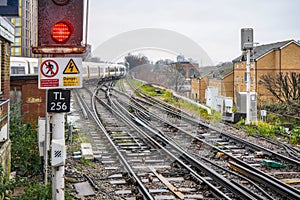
x=57 y=73
x=71 y=68
x=71 y=81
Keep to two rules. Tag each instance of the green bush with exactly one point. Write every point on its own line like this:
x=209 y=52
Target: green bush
x=149 y=90
x=5 y=185
x=273 y=119
x=250 y=130
x=168 y=97
x=27 y=163
x=216 y=116
x=295 y=136
x=25 y=155
x=266 y=129
x=34 y=190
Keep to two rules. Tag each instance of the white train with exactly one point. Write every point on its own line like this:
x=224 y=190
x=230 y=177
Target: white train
x=92 y=70
x=20 y=66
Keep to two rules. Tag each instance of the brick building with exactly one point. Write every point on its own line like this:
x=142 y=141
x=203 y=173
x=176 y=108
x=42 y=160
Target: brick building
x=222 y=78
x=215 y=76
x=29 y=100
x=6 y=38
x=270 y=58
x=187 y=69
x=198 y=87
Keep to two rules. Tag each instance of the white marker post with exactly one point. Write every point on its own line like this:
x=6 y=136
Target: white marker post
x=58 y=180
x=58 y=104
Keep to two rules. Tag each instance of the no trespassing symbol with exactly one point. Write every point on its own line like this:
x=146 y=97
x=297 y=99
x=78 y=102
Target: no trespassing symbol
x=49 y=68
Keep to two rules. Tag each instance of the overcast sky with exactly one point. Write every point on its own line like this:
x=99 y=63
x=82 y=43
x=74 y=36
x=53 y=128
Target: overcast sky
x=215 y=25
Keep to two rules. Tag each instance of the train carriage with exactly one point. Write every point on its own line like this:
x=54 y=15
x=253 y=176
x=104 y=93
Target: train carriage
x=20 y=66
x=23 y=66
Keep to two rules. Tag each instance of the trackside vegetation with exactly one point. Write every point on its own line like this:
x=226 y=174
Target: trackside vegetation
x=168 y=97
x=272 y=128
x=27 y=183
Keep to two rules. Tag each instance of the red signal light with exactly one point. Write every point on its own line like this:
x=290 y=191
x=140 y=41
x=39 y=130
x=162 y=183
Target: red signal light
x=62 y=31
x=60 y=27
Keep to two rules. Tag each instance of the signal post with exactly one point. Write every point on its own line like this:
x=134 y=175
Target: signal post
x=60 y=32
x=247 y=45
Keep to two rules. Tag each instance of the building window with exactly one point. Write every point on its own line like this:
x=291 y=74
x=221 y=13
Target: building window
x=18 y=31
x=18 y=42
x=20 y=21
x=251 y=78
x=17 y=21
x=245 y=77
x=192 y=72
x=18 y=51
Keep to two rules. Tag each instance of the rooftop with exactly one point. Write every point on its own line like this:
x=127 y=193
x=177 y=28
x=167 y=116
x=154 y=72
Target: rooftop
x=261 y=50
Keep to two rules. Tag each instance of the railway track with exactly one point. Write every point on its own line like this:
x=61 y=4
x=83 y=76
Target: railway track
x=209 y=174
x=245 y=157
x=147 y=164
x=154 y=177
x=154 y=151
x=279 y=147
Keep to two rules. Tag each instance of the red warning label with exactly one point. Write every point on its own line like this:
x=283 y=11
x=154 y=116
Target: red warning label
x=49 y=83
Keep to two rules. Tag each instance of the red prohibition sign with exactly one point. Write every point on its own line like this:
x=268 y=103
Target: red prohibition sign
x=49 y=68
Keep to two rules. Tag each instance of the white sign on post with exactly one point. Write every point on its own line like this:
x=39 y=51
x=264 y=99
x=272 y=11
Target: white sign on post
x=59 y=73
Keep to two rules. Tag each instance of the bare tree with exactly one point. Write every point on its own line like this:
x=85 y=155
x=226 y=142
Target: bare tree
x=284 y=86
x=176 y=75
x=136 y=60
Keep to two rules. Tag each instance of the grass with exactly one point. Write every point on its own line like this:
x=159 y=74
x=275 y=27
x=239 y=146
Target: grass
x=271 y=131
x=168 y=97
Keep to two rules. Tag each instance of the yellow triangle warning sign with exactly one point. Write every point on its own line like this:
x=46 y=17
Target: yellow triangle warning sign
x=71 y=68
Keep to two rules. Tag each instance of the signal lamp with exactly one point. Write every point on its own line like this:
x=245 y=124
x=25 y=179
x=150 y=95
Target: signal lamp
x=60 y=27
x=62 y=31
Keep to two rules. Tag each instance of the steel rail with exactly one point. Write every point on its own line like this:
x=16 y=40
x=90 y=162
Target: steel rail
x=221 y=180
x=128 y=168
x=252 y=145
x=284 y=188
x=196 y=175
x=274 y=184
